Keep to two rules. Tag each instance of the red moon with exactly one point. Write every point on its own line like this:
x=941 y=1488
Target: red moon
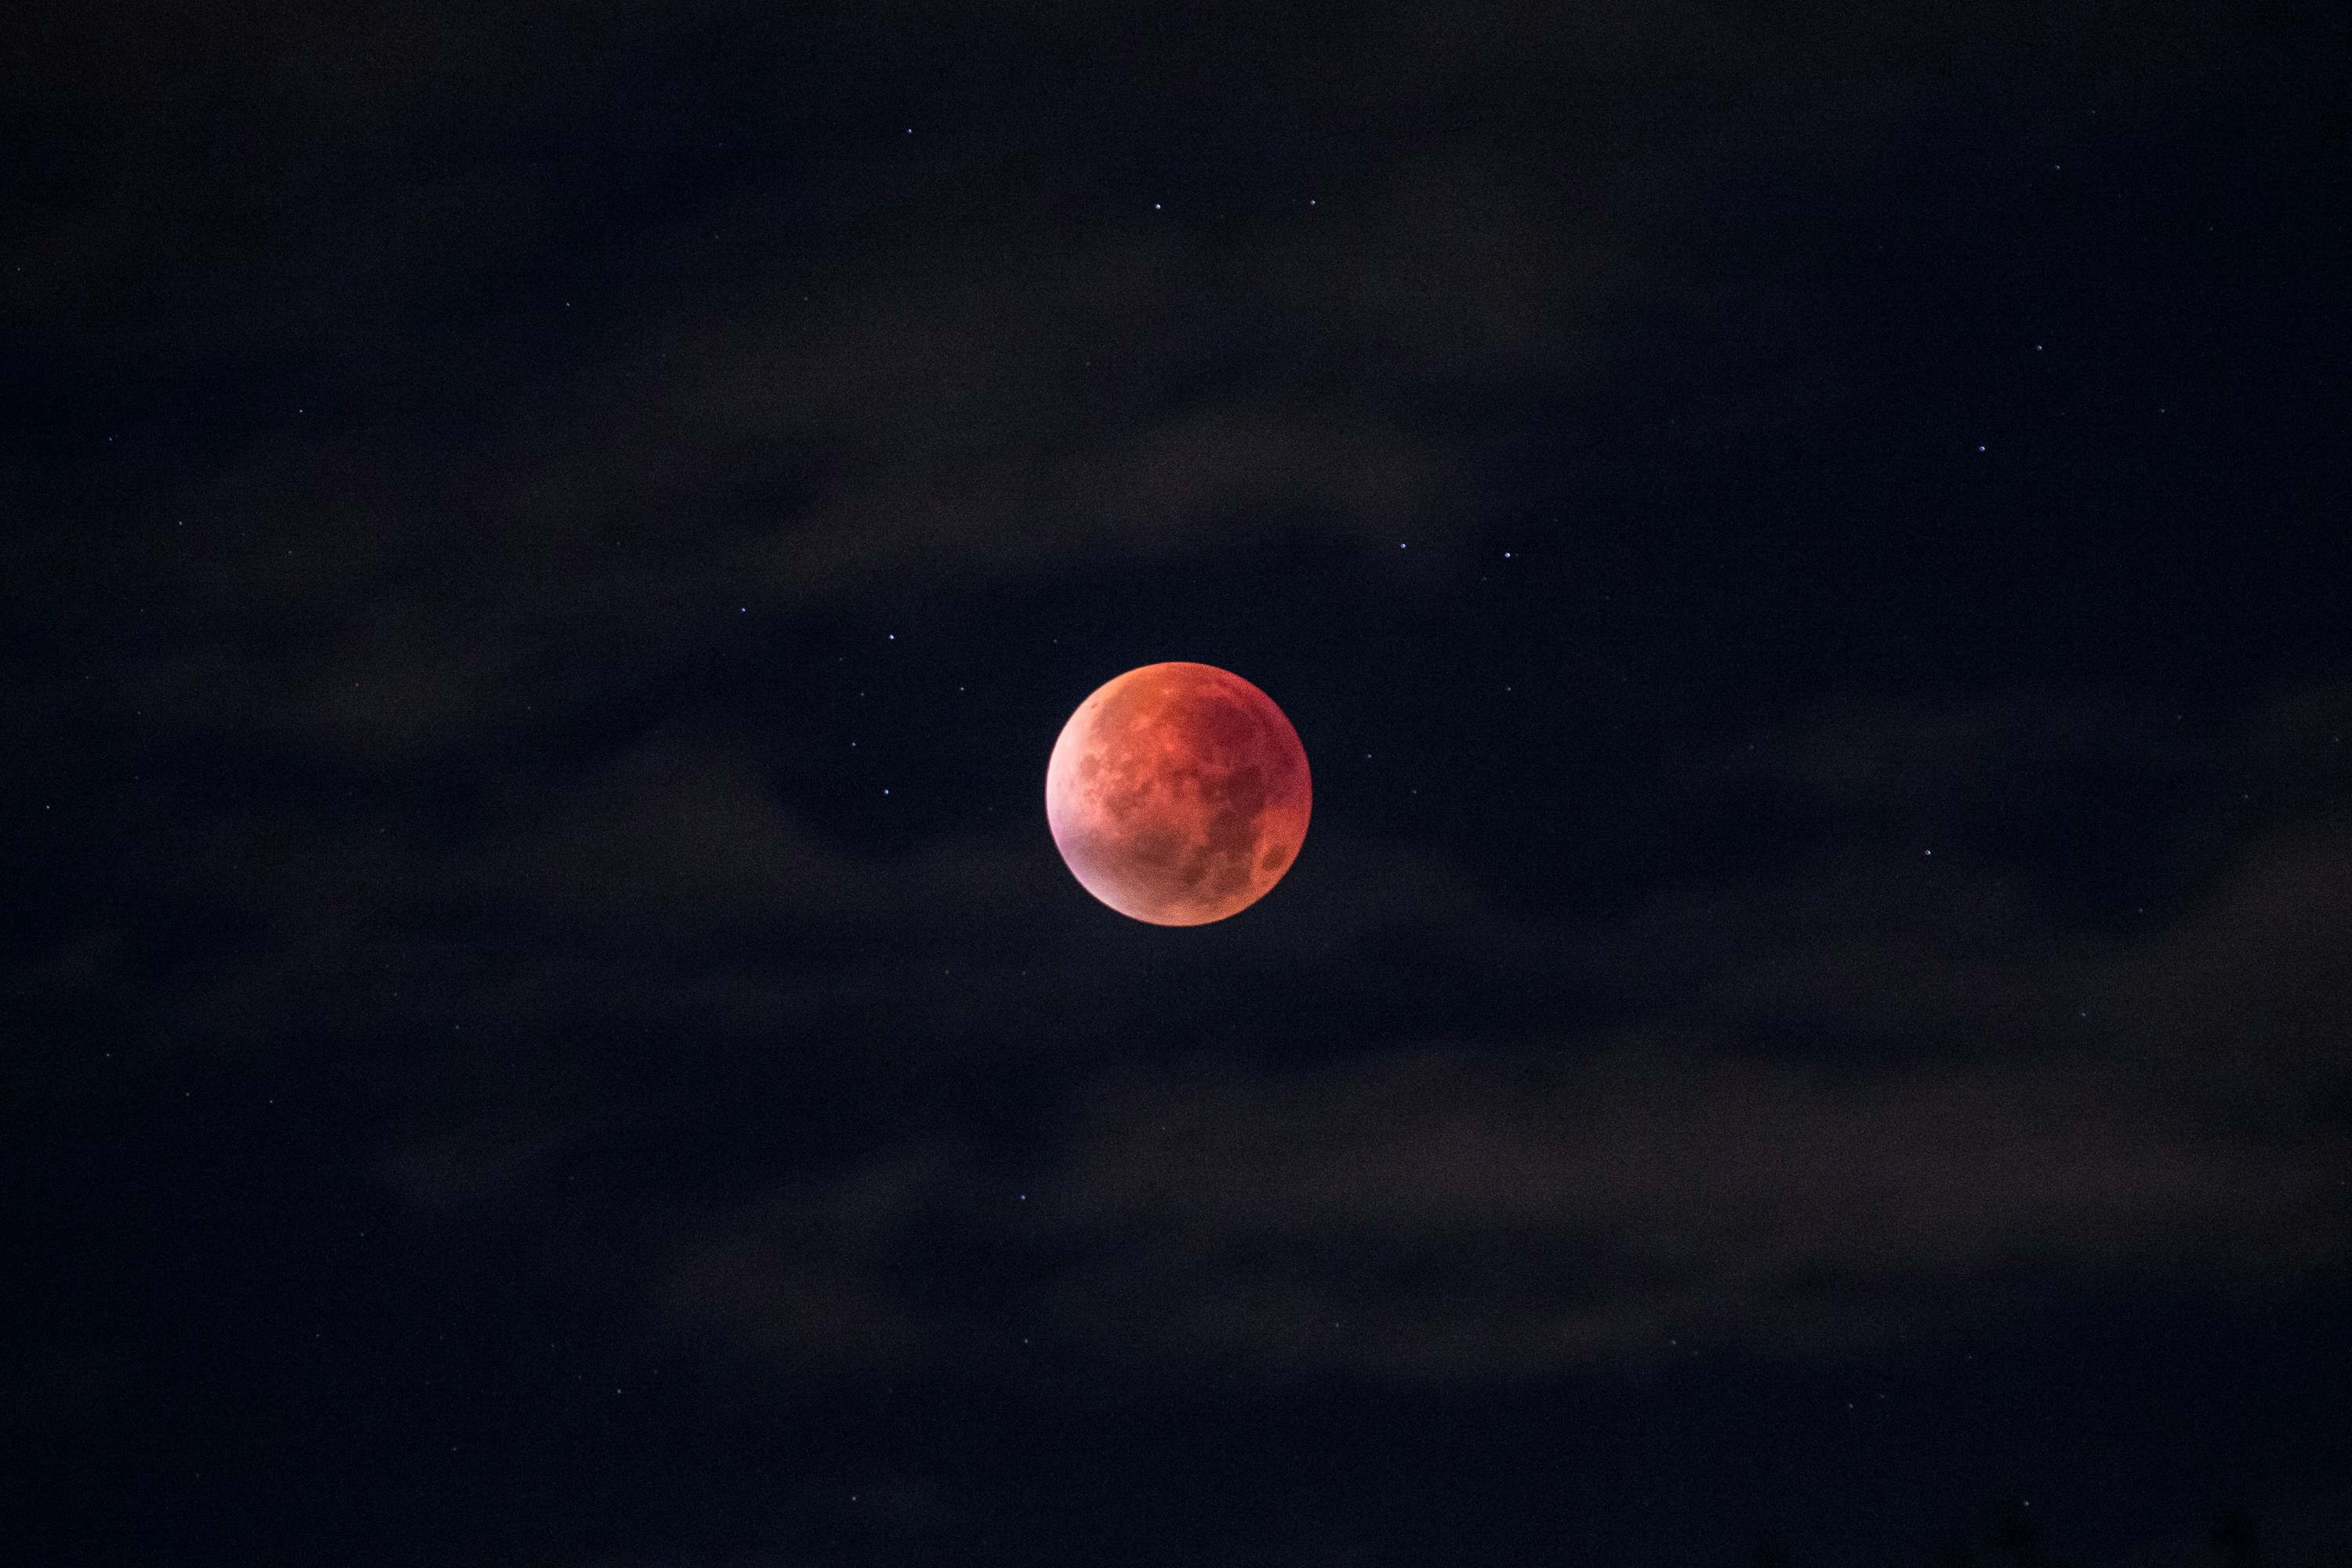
x=1178 y=794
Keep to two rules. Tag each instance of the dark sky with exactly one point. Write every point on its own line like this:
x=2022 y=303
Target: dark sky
x=546 y=550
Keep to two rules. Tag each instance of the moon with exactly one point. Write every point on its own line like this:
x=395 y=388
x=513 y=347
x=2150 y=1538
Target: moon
x=1178 y=794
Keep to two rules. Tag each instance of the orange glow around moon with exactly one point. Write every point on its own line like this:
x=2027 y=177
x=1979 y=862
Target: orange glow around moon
x=1178 y=794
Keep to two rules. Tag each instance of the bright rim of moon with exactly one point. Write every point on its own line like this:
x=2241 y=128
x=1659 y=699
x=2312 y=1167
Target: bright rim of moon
x=1178 y=794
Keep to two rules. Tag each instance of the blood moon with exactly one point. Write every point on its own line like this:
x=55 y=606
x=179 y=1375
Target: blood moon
x=1178 y=794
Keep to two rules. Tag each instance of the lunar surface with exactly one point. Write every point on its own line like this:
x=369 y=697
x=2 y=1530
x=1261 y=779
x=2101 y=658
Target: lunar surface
x=1178 y=794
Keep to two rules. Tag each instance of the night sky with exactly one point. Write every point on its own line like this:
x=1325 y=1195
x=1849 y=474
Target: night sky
x=545 y=551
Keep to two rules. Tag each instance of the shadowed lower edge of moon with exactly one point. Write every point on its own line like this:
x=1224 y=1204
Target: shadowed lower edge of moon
x=1122 y=876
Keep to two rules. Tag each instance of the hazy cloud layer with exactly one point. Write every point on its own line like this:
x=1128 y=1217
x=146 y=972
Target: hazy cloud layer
x=1870 y=1100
